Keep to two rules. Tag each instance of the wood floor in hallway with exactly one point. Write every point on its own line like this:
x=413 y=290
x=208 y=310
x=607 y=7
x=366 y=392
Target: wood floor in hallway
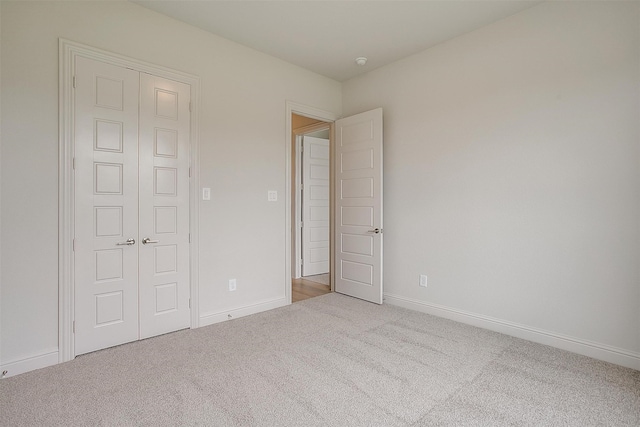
x=303 y=288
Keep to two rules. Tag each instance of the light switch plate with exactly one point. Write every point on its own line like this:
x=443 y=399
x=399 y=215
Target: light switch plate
x=272 y=195
x=423 y=280
x=206 y=194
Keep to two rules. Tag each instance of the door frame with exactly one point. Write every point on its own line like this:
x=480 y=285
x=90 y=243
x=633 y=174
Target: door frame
x=297 y=234
x=68 y=51
x=329 y=118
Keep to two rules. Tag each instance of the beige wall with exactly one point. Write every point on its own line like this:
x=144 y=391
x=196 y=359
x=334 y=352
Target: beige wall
x=512 y=174
x=242 y=235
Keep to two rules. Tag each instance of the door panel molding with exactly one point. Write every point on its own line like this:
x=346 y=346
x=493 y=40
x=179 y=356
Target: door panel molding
x=68 y=52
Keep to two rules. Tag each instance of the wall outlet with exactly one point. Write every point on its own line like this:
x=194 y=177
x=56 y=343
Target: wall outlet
x=423 y=280
x=272 y=196
x=232 y=284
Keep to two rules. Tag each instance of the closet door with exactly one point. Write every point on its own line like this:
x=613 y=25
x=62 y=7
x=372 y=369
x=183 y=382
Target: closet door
x=164 y=205
x=106 y=205
x=131 y=219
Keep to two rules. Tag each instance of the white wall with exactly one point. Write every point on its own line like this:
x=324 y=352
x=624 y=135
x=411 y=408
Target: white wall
x=242 y=155
x=512 y=176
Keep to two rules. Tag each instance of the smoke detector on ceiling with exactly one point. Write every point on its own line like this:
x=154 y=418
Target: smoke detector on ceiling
x=361 y=61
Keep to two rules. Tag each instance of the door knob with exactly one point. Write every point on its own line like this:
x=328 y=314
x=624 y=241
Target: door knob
x=148 y=240
x=375 y=231
x=129 y=242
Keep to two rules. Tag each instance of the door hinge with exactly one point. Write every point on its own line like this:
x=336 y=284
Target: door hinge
x=189 y=106
x=73 y=245
x=189 y=237
x=74 y=326
x=189 y=302
x=73 y=163
x=74 y=82
x=189 y=172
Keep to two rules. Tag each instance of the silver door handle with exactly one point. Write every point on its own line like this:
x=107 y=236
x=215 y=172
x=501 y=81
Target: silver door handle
x=129 y=242
x=375 y=230
x=148 y=240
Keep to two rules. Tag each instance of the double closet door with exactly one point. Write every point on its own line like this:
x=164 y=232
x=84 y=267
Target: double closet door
x=131 y=197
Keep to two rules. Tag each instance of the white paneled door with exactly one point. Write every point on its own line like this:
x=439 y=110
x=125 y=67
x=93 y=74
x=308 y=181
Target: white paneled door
x=131 y=231
x=106 y=205
x=315 y=206
x=358 y=215
x=164 y=205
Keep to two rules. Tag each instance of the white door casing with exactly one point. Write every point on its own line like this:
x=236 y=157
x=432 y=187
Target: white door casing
x=315 y=206
x=358 y=214
x=106 y=205
x=131 y=161
x=164 y=205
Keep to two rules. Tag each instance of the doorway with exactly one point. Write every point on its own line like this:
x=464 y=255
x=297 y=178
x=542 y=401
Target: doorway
x=355 y=194
x=311 y=207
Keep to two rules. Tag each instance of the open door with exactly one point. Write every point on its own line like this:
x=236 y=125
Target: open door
x=358 y=215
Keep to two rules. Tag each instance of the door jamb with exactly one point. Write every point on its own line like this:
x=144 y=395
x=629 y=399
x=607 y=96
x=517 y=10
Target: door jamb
x=68 y=51
x=329 y=118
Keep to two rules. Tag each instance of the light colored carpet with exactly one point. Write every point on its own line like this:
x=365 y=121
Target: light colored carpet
x=327 y=361
x=323 y=279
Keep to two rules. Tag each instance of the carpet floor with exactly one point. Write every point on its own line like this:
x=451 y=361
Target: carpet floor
x=326 y=361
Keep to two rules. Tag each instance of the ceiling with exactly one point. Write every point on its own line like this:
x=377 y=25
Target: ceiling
x=327 y=36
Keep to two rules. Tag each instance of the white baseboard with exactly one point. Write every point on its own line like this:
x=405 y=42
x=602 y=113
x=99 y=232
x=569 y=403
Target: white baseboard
x=27 y=364
x=599 y=351
x=234 y=313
